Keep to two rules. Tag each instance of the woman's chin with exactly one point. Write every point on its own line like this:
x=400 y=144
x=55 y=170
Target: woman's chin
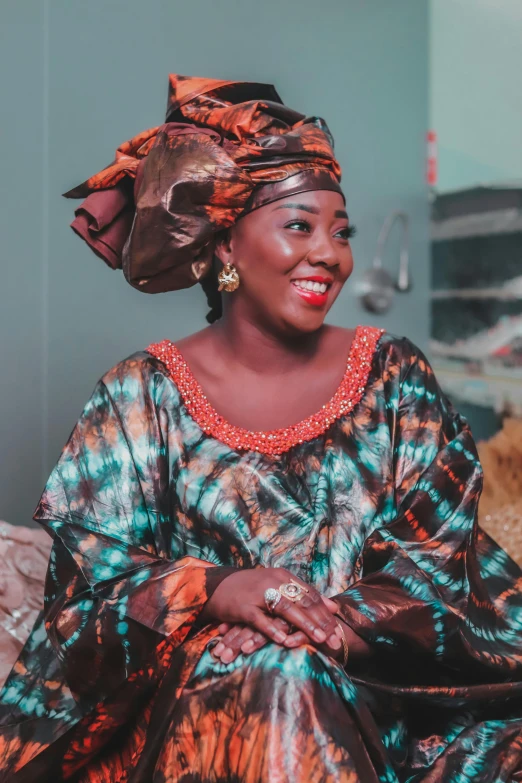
x=304 y=322
x=308 y=316
x=291 y=317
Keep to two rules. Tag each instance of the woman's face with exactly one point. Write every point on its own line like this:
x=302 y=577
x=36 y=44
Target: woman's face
x=293 y=257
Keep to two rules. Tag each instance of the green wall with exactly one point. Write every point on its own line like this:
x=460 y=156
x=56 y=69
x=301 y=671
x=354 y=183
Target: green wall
x=475 y=92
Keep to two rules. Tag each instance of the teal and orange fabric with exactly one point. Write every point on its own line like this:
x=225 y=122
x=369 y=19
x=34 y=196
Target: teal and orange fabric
x=226 y=148
x=377 y=511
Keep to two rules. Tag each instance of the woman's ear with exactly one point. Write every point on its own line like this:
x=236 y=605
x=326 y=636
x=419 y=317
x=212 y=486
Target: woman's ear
x=223 y=249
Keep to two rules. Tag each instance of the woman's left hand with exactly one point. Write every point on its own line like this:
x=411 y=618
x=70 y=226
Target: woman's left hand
x=239 y=638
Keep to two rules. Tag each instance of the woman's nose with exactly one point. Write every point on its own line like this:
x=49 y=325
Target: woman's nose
x=323 y=253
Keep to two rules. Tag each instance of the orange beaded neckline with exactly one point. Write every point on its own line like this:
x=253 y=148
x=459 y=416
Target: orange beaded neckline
x=274 y=442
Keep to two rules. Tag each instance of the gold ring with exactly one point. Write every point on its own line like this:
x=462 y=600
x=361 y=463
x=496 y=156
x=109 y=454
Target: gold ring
x=293 y=590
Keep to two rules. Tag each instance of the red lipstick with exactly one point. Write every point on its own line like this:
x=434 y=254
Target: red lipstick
x=315 y=298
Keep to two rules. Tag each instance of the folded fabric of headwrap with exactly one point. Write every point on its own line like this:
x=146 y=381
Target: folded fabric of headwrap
x=225 y=149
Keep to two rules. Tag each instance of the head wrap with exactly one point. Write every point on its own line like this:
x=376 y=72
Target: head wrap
x=226 y=148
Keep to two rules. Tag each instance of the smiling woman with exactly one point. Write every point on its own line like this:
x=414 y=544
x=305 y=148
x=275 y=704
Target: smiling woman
x=291 y=270
x=293 y=234
x=275 y=244
x=266 y=564
x=314 y=287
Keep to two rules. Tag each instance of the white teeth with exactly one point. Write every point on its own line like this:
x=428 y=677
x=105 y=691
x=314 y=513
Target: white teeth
x=310 y=285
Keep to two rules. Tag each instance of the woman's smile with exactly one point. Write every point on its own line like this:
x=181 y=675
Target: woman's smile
x=313 y=289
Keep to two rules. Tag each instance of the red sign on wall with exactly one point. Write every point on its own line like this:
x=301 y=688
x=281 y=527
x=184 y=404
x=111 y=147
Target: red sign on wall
x=431 y=166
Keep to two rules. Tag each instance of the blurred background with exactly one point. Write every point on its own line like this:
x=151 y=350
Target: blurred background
x=423 y=100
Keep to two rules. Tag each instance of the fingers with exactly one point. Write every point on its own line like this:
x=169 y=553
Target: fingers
x=259 y=640
x=274 y=628
x=230 y=645
x=243 y=639
x=297 y=639
x=240 y=638
x=311 y=616
x=256 y=641
x=300 y=638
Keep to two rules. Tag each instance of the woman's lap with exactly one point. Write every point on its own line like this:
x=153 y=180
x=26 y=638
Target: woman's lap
x=275 y=715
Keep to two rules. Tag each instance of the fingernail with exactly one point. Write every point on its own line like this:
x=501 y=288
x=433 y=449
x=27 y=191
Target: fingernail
x=218 y=649
x=227 y=655
x=247 y=646
x=319 y=635
x=334 y=641
x=279 y=636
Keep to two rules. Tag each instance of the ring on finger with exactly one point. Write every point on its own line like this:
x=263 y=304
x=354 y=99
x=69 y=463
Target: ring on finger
x=272 y=598
x=293 y=591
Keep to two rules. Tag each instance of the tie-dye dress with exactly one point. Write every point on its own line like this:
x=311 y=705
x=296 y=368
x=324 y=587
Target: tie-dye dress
x=373 y=500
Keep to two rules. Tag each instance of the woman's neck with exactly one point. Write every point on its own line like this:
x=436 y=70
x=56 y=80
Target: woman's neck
x=254 y=346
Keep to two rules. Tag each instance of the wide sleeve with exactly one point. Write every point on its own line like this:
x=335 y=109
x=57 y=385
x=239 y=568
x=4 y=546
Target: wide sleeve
x=432 y=584
x=112 y=592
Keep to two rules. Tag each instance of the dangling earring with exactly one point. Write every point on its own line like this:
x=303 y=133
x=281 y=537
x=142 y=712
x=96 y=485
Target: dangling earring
x=228 y=278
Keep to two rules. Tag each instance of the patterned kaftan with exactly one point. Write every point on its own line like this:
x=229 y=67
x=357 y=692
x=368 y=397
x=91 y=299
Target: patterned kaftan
x=376 y=508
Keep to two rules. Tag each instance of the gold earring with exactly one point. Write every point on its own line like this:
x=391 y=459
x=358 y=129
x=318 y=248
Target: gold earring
x=228 y=278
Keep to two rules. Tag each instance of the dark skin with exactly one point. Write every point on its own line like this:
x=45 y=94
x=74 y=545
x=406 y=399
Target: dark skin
x=253 y=364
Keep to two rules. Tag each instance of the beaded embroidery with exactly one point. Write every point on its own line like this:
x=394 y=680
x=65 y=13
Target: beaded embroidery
x=274 y=442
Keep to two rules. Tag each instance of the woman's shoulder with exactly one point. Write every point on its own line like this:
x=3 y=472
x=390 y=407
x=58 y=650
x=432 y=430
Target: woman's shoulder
x=385 y=344
x=385 y=354
x=399 y=347
x=139 y=369
x=149 y=366
x=398 y=357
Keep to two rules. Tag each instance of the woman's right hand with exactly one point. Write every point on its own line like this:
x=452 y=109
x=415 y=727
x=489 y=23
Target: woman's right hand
x=239 y=599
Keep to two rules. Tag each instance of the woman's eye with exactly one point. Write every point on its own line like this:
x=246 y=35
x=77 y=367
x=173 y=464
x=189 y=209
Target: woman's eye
x=348 y=232
x=302 y=225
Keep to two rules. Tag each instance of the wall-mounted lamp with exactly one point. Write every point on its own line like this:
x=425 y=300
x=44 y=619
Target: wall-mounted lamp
x=377 y=287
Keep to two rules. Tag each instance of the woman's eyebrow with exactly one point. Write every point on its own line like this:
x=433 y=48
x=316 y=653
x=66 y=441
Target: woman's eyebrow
x=339 y=213
x=304 y=207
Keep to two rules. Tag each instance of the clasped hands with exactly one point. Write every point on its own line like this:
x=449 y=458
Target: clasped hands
x=238 y=604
